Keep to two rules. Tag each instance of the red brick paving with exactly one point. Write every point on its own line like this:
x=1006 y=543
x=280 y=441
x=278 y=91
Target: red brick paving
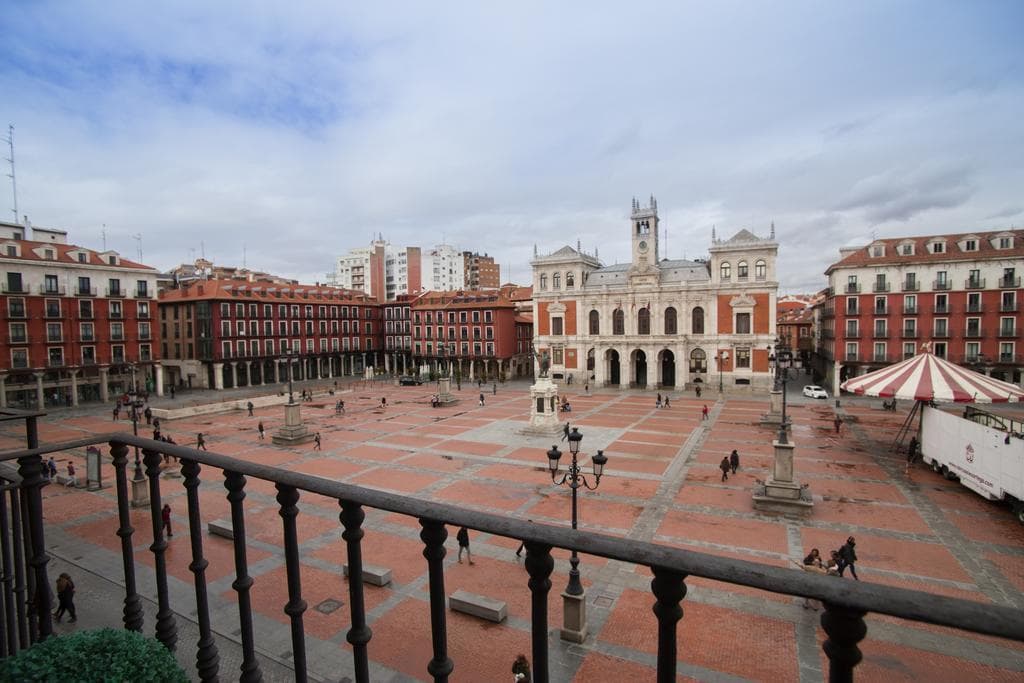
x=725 y=531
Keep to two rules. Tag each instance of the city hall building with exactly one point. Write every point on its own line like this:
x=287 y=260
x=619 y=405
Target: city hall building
x=659 y=323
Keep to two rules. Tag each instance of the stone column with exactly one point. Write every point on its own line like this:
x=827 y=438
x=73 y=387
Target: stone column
x=104 y=390
x=218 y=375
x=40 y=396
x=387 y=363
x=3 y=390
x=74 y=387
x=472 y=371
x=158 y=373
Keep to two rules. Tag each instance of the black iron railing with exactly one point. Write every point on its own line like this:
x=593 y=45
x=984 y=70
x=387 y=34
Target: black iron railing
x=846 y=603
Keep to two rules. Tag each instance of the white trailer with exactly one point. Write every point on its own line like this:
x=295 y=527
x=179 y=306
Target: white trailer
x=984 y=458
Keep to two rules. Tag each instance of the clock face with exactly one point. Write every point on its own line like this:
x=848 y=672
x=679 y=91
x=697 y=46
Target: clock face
x=642 y=246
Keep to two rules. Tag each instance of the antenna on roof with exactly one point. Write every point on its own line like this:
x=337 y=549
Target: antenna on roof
x=14 y=180
x=103 y=235
x=243 y=255
x=138 y=244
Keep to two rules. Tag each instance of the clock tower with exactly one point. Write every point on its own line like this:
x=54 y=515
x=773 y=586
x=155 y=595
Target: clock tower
x=645 y=234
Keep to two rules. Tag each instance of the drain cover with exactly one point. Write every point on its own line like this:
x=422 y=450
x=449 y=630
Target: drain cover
x=329 y=605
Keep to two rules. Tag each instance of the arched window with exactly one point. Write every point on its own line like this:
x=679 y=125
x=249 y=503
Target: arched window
x=741 y=270
x=595 y=322
x=760 y=270
x=698 y=321
x=726 y=271
x=670 y=320
x=643 y=321
x=556 y=281
x=543 y=281
x=698 y=361
x=618 y=322
x=570 y=280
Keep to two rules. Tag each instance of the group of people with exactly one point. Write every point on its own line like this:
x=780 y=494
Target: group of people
x=50 y=472
x=658 y=403
x=730 y=463
x=838 y=562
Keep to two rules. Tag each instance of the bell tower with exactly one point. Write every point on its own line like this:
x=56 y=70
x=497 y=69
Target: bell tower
x=645 y=234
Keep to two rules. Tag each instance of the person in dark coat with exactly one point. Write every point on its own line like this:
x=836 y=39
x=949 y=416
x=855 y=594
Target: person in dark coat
x=565 y=431
x=66 y=598
x=848 y=558
x=148 y=414
x=261 y=431
x=165 y=518
x=911 y=452
x=463 y=538
x=734 y=461
x=521 y=669
x=724 y=466
x=200 y=441
x=250 y=407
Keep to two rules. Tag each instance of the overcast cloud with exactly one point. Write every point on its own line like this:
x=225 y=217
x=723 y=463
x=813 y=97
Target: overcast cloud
x=298 y=131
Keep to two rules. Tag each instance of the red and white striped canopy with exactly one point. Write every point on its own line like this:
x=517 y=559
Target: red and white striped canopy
x=928 y=378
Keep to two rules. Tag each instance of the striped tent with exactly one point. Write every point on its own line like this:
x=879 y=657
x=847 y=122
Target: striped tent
x=926 y=377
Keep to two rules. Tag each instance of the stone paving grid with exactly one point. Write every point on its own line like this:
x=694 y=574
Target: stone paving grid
x=662 y=484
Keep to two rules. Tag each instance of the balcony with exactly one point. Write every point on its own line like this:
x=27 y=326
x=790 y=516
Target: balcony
x=1009 y=358
x=52 y=313
x=1009 y=282
x=943 y=309
x=1008 y=307
x=115 y=315
x=49 y=290
x=851 y=334
x=884 y=310
x=943 y=334
x=88 y=337
x=852 y=288
x=19 y=364
x=144 y=336
x=940 y=285
x=974 y=333
x=881 y=358
x=54 y=339
x=16 y=312
x=10 y=288
x=828 y=312
x=880 y=334
x=88 y=362
x=907 y=333
x=117 y=336
x=85 y=291
x=852 y=312
x=975 y=308
x=911 y=285
x=116 y=293
x=974 y=283
x=881 y=287
x=851 y=357
x=849 y=607
x=1007 y=332
x=910 y=310
x=142 y=293
x=55 y=363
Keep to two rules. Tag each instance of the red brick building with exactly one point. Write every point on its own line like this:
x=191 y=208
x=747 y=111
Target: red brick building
x=480 y=272
x=221 y=333
x=78 y=322
x=959 y=293
x=479 y=330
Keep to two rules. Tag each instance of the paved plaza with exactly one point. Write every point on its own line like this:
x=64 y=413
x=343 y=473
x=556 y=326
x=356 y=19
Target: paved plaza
x=662 y=484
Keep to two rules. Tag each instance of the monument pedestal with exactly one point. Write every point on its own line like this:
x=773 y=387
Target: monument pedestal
x=543 y=409
x=292 y=432
x=574 y=617
x=782 y=493
x=444 y=392
x=140 y=492
x=774 y=414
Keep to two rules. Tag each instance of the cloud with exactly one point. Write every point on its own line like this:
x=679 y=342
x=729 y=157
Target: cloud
x=899 y=194
x=1006 y=212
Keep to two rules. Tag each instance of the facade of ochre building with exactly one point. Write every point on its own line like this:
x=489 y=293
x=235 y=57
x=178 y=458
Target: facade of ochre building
x=659 y=323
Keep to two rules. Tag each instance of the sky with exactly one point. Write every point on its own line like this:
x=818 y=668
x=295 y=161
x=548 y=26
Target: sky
x=281 y=135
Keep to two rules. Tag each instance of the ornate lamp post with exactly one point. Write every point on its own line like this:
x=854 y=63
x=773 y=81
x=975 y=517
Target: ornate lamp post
x=783 y=362
x=287 y=359
x=140 y=487
x=573 y=599
x=722 y=357
x=293 y=432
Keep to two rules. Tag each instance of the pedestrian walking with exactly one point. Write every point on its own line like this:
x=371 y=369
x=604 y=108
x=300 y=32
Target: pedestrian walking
x=72 y=480
x=494 y=389
x=262 y=432
x=463 y=538
x=724 y=466
x=697 y=391
x=481 y=399
x=848 y=558
x=148 y=414
x=838 y=422
x=117 y=412
x=667 y=404
x=565 y=431
x=734 y=461
x=586 y=388
x=156 y=436
x=521 y=669
x=165 y=518
x=250 y=407
x=383 y=402
x=172 y=391
x=200 y=441
x=156 y=423
x=66 y=598
x=704 y=412
x=911 y=453
x=51 y=467
x=316 y=441
x=657 y=402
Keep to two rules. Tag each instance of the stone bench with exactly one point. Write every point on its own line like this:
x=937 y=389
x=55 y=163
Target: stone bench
x=377 y=576
x=478 y=606
x=62 y=479
x=221 y=527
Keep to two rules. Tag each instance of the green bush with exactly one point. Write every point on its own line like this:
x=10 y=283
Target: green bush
x=109 y=655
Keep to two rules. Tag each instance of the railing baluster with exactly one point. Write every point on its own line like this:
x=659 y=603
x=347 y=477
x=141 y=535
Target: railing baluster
x=166 y=628
x=359 y=634
x=668 y=588
x=207 y=658
x=433 y=536
x=539 y=565
x=287 y=497
x=19 y=570
x=32 y=480
x=133 y=615
x=234 y=482
x=10 y=642
x=30 y=577
x=845 y=628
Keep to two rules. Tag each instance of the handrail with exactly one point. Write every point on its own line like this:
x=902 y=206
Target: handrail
x=988 y=619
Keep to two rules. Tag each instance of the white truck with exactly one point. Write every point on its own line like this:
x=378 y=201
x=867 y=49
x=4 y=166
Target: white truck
x=984 y=451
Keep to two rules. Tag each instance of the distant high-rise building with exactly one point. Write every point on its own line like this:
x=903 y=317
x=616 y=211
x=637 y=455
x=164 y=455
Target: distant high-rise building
x=481 y=272
x=381 y=270
x=443 y=269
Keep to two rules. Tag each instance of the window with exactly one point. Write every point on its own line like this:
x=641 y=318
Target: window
x=50 y=285
x=618 y=322
x=880 y=305
x=851 y=350
x=144 y=330
x=556 y=281
x=1006 y=352
x=972 y=352
x=941 y=327
x=53 y=308
x=974 y=327
x=910 y=282
x=556 y=326
x=725 y=271
x=115 y=309
x=974 y=302
x=225 y=328
x=1008 y=302
x=19 y=358
x=881 y=328
x=910 y=328
x=543 y=282
x=741 y=270
x=974 y=278
x=643 y=321
x=55 y=357
x=907 y=249
x=760 y=270
x=970 y=245
x=851 y=305
x=743 y=355
x=939 y=349
x=851 y=284
x=570 y=280
x=880 y=352
x=85 y=309
x=880 y=284
x=595 y=322
x=852 y=328
x=1005 y=242
x=878 y=250
x=84 y=286
x=938 y=247
x=53 y=332
x=909 y=350
x=557 y=356
x=18 y=332
x=1007 y=327
x=85 y=330
x=742 y=327
x=697 y=320
x=670 y=320
x=241 y=328
x=117 y=331
x=142 y=308
x=698 y=361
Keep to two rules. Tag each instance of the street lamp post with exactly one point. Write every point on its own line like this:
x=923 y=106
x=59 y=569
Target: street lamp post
x=782 y=365
x=134 y=415
x=722 y=357
x=288 y=360
x=574 y=602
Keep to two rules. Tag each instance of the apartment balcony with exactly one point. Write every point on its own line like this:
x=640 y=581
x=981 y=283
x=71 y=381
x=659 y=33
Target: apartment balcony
x=1008 y=308
x=880 y=334
x=909 y=286
x=142 y=293
x=19 y=364
x=55 y=363
x=48 y=290
x=940 y=285
x=851 y=357
x=115 y=315
x=910 y=310
x=975 y=308
x=88 y=338
x=88 y=315
x=881 y=311
x=88 y=362
x=1009 y=282
x=974 y=283
x=1010 y=359
x=851 y=334
x=852 y=312
x=828 y=334
x=908 y=333
x=942 y=310
x=117 y=337
x=16 y=312
x=52 y=314
x=881 y=287
x=881 y=358
x=828 y=312
x=1008 y=332
x=974 y=333
x=944 y=334
x=145 y=336
x=54 y=339
x=852 y=288
x=85 y=291
x=18 y=339
x=8 y=288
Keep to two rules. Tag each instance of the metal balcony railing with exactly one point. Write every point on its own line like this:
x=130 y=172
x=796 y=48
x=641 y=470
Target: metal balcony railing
x=880 y=358
x=974 y=333
x=851 y=334
x=852 y=288
x=1008 y=307
x=880 y=334
x=18 y=339
x=1009 y=358
x=911 y=286
x=945 y=309
x=85 y=291
x=846 y=603
x=10 y=288
x=975 y=308
x=940 y=285
x=974 y=283
x=880 y=287
x=16 y=311
x=908 y=333
x=852 y=357
x=880 y=310
x=116 y=292
x=1008 y=332
x=910 y=310
x=55 y=362
x=1009 y=282
x=47 y=290
x=142 y=293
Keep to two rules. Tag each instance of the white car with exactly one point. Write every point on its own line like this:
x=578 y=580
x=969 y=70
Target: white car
x=814 y=391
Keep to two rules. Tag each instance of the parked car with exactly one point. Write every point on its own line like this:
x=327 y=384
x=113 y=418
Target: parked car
x=814 y=391
x=409 y=381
